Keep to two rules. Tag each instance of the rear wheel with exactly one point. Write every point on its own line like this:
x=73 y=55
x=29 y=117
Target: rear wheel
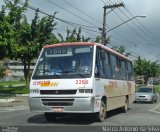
x=125 y=107
x=101 y=115
x=50 y=117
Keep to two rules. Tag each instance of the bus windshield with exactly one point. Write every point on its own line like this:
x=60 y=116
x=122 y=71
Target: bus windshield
x=64 y=62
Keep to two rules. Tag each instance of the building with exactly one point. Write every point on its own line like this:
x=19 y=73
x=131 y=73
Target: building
x=15 y=70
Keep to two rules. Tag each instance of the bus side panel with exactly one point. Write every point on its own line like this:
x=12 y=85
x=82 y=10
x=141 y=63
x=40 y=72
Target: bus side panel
x=116 y=92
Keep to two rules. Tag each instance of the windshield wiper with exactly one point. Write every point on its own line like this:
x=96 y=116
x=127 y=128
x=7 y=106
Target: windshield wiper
x=82 y=75
x=67 y=71
x=56 y=75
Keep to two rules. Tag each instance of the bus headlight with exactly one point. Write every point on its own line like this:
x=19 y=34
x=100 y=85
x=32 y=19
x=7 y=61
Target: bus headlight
x=85 y=91
x=34 y=91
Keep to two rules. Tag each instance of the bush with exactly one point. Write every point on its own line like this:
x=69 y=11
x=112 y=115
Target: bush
x=2 y=69
x=157 y=89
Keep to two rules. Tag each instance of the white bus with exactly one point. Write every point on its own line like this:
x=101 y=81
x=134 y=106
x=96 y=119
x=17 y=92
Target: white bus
x=81 y=77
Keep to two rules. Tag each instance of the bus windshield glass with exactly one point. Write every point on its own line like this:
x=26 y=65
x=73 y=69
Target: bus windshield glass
x=64 y=62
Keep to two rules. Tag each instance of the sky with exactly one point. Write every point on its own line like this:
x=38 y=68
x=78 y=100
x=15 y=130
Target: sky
x=141 y=36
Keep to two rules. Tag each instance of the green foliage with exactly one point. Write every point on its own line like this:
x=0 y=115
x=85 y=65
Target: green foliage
x=6 y=83
x=146 y=68
x=2 y=69
x=6 y=34
x=15 y=90
x=20 y=39
x=73 y=36
x=10 y=88
x=157 y=89
x=121 y=50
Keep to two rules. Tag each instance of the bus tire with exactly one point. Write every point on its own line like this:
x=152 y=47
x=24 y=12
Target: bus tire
x=50 y=116
x=101 y=115
x=125 y=107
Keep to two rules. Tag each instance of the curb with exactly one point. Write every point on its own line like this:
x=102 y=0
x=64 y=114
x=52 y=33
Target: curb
x=7 y=100
x=14 y=95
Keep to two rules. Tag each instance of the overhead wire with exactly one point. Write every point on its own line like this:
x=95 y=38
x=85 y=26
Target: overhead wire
x=136 y=26
x=137 y=33
x=82 y=12
x=64 y=21
x=143 y=26
x=84 y=27
x=128 y=25
x=115 y=44
x=72 y=13
x=70 y=23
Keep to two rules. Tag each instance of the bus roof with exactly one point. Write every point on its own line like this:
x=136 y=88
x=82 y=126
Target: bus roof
x=69 y=44
x=87 y=43
x=113 y=51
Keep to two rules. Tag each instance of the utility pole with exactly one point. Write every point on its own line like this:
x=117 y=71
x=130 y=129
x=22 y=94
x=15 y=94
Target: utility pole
x=104 y=20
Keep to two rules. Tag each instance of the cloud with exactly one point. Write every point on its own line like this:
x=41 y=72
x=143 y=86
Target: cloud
x=136 y=41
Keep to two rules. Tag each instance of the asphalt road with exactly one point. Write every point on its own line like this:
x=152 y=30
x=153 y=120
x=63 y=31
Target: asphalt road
x=19 y=117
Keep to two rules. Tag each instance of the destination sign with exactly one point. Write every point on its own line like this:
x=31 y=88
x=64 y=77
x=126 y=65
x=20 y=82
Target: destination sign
x=56 y=51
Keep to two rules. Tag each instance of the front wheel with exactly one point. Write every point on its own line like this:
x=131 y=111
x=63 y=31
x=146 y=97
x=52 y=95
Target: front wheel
x=101 y=115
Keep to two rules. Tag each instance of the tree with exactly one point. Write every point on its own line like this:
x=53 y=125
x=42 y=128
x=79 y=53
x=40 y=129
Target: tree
x=121 y=50
x=2 y=69
x=31 y=38
x=6 y=34
x=73 y=36
x=25 y=39
x=146 y=68
x=99 y=40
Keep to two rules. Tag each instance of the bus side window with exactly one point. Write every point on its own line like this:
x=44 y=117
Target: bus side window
x=113 y=65
x=98 y=66
x=107 y=66
x=123 y=70
x=130 y=71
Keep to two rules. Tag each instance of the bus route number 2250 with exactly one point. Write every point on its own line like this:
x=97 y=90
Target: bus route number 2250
x=81 y=81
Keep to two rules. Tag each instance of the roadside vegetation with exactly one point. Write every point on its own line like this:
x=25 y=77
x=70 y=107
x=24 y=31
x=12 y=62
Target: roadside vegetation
x=13 y=87
x=11 y=83
x=157 y=88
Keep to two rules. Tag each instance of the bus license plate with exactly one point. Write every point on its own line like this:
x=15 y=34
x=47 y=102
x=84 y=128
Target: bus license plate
x=57 y=109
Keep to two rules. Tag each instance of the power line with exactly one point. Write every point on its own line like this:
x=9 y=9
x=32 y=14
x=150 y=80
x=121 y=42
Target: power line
x=146 y=33
x=69 y=22
x=125 y=52
x=135 y=44
x=143 y=25
x=71 y=13
x=82 y=12
x=129 y=26
x=74 y=24
x=84 y=27
x=103 y=1
x=62 y=20
x=137 y=33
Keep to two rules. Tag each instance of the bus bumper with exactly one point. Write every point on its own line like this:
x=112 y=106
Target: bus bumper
x=62 y=105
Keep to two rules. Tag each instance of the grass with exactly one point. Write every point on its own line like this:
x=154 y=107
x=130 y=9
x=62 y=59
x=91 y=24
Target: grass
x=8 y=83
x=13 y=90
